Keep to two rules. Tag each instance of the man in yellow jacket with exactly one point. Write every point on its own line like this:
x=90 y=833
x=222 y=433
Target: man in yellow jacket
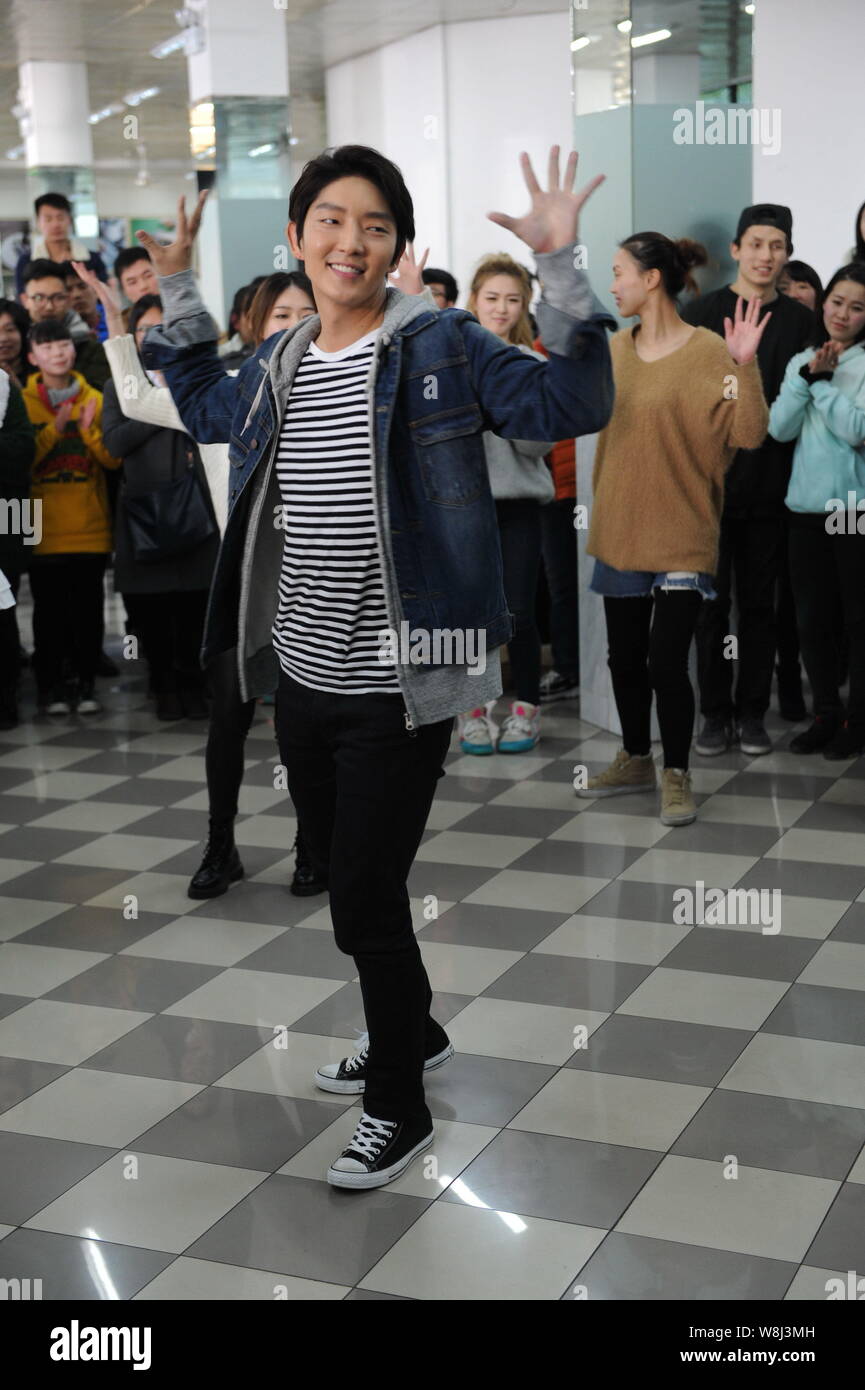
x=70 y=501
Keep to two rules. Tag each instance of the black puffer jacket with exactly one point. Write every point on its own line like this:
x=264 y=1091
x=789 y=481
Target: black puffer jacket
x=17 y=448
x=153 y=456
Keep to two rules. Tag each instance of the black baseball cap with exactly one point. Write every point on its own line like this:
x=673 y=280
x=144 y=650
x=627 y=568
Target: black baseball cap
x=767 y=215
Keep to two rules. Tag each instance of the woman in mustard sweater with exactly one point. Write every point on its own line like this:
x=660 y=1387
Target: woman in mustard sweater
x=685 y=403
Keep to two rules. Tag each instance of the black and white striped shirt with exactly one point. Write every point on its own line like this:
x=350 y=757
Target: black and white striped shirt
x=331 y=595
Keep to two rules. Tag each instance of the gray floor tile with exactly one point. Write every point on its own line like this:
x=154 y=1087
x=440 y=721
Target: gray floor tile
x=20 y=810
x=63 y=883
x=640 y=902
x=805 y=879
x=717 y=838
x=569 y=982
x=840 y=1241
x=33 y=842
x=34 y=1171
x=19 y=1078
x=245 y=1129
x=661 y=1050
x=451 y=882
x=72 y=1269
x=310 y=1229
x=367 y=1295
x=10 y=1002
x=174 y=1048
x=513 y=820
x=806 y=786
x=502 y=928
x=851 y=926
x=575 y=857
x=832 y=815
x=483 y=1090
x=794 y=1136
x=180 y=825
x=149 y=791
x=641 y=1268
x=255 y=859
x=302 y=952
x=816 y=1011
x=134 y=982
x=126 y=764
x=94 y=929
x=271 y=904
x=749 y=953
x=555 y=1178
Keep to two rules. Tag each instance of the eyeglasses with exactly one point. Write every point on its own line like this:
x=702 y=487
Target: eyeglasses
x=59 y=298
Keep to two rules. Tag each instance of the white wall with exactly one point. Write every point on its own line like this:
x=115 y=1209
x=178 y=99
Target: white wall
x=811 y=70
x=454 y=106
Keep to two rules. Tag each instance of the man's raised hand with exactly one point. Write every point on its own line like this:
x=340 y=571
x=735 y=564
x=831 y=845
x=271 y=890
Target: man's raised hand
x=168 y=260
x=553 y=219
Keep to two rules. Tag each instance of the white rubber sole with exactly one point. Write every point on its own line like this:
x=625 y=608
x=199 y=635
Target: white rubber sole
x=356 y=1088
x=615 y=791
x=367 y=1180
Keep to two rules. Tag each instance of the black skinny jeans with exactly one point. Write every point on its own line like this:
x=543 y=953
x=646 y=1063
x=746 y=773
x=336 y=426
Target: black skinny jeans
x=750 y=553
x=68 y=601
x=520 y=537
x=230 y=720
x=649 y=641
x=559 y=544
x=362 y=786
x=828 y=576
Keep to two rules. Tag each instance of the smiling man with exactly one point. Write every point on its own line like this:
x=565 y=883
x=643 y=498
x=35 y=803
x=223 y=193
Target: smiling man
x=752 y=557
x=359 y=433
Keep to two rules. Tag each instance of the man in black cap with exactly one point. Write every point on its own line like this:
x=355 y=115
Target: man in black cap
x=752 y=553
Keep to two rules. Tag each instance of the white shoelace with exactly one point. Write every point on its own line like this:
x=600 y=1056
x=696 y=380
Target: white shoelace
x=352 y=1063
x=476 y=726
x=517 y=724
x=371 y=1136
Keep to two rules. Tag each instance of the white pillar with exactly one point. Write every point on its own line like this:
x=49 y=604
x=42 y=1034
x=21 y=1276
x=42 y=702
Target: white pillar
x=56 y=104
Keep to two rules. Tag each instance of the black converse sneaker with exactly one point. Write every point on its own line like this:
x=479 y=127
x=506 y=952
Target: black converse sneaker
x=348 y=1077
x=379 y=1151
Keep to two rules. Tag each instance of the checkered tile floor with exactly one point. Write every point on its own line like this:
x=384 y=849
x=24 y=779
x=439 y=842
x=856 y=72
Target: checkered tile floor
x=155 y=1143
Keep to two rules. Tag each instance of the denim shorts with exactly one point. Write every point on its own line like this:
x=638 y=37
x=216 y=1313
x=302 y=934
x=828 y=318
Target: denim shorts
x=612 y=583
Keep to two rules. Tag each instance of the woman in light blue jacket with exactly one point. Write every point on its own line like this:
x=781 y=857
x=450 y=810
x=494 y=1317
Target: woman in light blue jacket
x=821 y=405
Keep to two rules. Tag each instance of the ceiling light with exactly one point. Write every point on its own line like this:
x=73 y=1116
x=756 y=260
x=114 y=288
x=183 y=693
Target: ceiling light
x=260 y=150
x=190 y=38
x=15 y=153
x=749 y=9
x=113 y=110
x=657 y=36
x=625 y=26
x=582 y=42
x=136 y=98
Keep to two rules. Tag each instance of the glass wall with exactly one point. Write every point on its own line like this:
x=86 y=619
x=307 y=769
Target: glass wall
x=661 y=93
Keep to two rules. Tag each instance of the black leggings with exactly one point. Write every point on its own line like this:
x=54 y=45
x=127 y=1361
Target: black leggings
x=649 y=641
x=230 y=720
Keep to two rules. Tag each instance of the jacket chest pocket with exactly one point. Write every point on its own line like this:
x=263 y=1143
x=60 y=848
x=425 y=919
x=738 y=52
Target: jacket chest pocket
x=450 y=453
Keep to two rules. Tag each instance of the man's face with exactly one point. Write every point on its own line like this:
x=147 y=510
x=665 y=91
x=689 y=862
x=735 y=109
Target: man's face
x=54 y=224
x=53 y=359
x=46 y=298
x=139 y=279
x=439 y=294
x=762 y=254
x=348 y=244
x=82 y=299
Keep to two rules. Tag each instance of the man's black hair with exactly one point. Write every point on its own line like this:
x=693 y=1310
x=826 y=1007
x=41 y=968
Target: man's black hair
x=355 y=161
x=127 y=257
x=43 y=268
x=433 y=276
x=49 y=331
x=139 y=309
x=52 y=200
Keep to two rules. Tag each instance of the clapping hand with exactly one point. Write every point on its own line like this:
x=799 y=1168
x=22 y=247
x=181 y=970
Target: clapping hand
x=743 y=332
x=107 y=297
x=825 y=359
x=87 y=415
x=62 y=416
x=552 y=221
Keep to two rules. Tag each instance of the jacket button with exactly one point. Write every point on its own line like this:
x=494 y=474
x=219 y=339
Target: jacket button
x=254 y=444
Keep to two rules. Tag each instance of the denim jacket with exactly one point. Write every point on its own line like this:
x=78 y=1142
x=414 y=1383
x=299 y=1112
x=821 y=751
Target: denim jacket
x=437 y=382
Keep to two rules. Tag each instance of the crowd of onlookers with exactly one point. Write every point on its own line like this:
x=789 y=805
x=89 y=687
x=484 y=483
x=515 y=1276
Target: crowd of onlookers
x=91 y=440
